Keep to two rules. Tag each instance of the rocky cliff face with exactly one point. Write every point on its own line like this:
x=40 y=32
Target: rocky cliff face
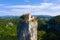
x=27 y=28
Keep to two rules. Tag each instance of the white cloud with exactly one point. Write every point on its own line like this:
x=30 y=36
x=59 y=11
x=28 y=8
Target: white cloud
x=41 y=6
x=4 y=12
x=45 y=13
x=55 y=7
x=33 y=9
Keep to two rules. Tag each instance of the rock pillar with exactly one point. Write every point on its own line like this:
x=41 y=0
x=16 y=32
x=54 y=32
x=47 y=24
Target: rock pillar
x=27 y=28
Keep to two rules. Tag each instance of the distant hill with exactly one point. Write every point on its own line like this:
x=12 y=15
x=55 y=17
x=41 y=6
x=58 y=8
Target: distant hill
x=44 y=16
x=41 y=16
x=8 y=16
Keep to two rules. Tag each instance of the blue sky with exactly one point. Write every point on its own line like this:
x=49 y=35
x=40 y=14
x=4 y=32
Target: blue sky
x=34 y=7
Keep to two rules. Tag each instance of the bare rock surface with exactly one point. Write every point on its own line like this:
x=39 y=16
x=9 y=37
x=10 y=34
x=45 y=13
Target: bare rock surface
x=27 y=28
